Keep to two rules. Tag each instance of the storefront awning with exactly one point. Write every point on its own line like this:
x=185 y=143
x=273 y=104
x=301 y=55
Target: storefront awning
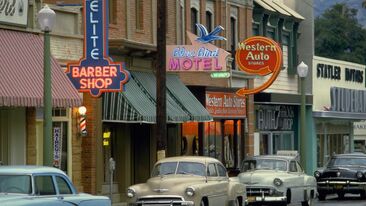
x=138 y=102
x=21 y=73
x=340 y=115
x=277 y=6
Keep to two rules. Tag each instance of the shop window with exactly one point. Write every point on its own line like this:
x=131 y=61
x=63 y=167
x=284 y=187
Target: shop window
x=59 y=112
x=328 y=144
x=209 y=21
x=233 y=28
x=228 y=143
x=213 y=140
x=189 y=142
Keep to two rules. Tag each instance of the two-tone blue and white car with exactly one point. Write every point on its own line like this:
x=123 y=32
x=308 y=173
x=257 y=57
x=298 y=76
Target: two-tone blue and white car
x=38 y=185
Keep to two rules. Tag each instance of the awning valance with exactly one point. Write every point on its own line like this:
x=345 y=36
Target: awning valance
x=21 y=73
x=138 y=102
x=277 y=6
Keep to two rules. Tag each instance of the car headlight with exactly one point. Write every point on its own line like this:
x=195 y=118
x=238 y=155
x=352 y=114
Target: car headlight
x=131 y=193
x=316 y=174
x=190 y=191
x=277 y=181
x=359 y=175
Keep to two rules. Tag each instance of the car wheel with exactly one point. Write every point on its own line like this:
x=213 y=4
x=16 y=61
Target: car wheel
x=340 y=195
x=237 y=202
x=203 y=202
x=288 y=196
x=321 y=196
x=309 y=202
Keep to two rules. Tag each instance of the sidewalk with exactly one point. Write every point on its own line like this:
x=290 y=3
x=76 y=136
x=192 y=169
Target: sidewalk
x=119 y=204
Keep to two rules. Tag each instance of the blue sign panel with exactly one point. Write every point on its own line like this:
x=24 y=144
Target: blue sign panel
x=95 y=72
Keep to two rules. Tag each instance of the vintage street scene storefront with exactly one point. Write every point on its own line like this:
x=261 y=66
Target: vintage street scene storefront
x=275 y=128
x=338 y=104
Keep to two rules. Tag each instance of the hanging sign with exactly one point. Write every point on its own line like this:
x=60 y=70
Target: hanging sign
x=259 y=56
x=95 y=72
x=201 y=56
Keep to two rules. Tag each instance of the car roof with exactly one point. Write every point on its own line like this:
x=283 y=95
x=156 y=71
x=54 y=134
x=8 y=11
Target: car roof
x=200 y=159
x=29 y=169
x=282 y=157
x=350 y=155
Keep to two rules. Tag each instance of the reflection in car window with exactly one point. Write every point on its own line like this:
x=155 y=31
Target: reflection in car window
x=193 y=168
x=15 y=184
x=264 y=164
x=63 y=186
x=44 y=185
x=165 y=168
x=222 y=170
x=211 y=170
x=347 y=161
x=293 y=167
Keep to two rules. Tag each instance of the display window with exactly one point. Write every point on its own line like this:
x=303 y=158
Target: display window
x=271 y=142
x=327 y=144
x=189 y=142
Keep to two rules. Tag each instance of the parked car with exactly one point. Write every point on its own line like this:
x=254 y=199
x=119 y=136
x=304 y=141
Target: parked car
x=344 y=173
x=188 y=181
x=277 y=179
x=39 y=185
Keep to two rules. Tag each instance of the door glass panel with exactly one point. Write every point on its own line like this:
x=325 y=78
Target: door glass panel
x=264 y=143
x=44 y=185
x=63 y=186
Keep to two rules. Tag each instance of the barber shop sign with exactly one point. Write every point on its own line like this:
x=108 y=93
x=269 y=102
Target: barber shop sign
x=96 y=72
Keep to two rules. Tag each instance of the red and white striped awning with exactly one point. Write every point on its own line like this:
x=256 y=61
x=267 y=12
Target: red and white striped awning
x=21 y=73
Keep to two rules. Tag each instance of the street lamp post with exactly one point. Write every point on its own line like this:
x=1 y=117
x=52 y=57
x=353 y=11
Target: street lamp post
x=302 y=71
x=46 y=19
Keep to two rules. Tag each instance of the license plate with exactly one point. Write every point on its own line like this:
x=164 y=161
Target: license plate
x=251 y=199
x=338 y=186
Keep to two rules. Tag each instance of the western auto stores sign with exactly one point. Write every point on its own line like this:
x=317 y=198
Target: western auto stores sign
x=224 y=104
x=259 y=56
x=96 y=72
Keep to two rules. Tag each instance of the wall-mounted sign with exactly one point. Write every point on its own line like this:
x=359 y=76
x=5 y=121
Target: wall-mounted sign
x=347 y=100
x=14 y=12
x=201 y=56
x=57 y=147
x=275 y=117
x=259 y=56
x=328 y=71
x=222 y=104
x=95 y=72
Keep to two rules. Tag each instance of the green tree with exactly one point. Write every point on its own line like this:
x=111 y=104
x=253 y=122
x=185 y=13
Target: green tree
x=338 y=35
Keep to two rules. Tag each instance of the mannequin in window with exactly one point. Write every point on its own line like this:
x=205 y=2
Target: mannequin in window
x=184 y=144
x=195 y=145
x=228 y=153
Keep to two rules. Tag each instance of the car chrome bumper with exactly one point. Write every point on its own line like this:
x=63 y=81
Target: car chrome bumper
x=346 y=186
x=162 y=203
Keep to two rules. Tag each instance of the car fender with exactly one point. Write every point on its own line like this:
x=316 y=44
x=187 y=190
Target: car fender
x=236 y=189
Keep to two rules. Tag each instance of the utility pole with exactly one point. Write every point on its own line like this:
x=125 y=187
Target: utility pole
x=161 y=131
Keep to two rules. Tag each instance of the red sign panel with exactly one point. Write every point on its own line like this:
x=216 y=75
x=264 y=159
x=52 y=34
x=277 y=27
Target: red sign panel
x=221 y=104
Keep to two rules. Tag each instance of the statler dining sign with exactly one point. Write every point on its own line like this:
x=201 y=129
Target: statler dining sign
x=259 y=56
x=95 y=72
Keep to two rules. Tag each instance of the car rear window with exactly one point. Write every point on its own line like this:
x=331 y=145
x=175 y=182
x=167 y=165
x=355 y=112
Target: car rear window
x=15 y=184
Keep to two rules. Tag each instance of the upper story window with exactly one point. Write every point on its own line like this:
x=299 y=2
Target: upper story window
x=112 y=12
x=139 y=14
x=194 y=20
x=286 y=48
x=209 y=21
x=233 y=39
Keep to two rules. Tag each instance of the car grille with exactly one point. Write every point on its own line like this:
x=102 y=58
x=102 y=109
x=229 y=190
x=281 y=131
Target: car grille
x=159 y=200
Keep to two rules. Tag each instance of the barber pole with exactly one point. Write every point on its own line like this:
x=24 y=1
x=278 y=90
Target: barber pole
x=83 y=125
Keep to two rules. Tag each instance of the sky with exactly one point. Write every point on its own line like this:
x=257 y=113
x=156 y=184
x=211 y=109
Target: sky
x=321 y=5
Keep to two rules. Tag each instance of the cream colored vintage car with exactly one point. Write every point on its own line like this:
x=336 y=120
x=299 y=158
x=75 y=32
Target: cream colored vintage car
x=188 y=181
x=277 y=179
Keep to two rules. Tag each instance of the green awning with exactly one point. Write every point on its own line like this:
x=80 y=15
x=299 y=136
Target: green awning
x=138 y=102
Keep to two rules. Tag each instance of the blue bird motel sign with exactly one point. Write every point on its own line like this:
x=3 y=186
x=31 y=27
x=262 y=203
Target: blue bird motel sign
x=96 y=72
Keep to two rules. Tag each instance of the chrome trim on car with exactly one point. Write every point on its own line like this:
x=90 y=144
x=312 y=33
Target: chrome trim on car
x=329 y=182
x=163 y=200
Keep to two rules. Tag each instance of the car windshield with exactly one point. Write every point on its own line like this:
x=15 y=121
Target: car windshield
x=347 y=161
x=264 y=164
x=189 y=168
x=15 y=184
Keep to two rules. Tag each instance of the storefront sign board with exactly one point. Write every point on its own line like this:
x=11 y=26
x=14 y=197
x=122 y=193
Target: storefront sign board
x=57 y=147
x=275 y=117
x=14 y=12
x=342 y=86
x=96 y=72
x=223 y=104
x=260 y=56
x=201 y=56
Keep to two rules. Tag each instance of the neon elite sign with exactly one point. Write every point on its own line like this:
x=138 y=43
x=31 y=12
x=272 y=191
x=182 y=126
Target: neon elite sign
x=200 y=56
x=95 y=72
